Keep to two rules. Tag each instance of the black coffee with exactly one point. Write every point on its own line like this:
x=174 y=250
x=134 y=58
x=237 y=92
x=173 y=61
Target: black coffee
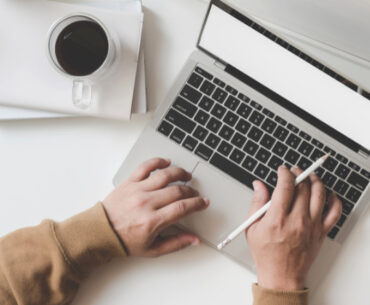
x=81 y=48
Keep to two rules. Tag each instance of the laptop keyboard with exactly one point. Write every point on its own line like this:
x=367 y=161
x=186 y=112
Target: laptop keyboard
x=249 y=142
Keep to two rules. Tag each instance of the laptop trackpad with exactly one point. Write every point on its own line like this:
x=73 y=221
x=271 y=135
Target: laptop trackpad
x=229 y=205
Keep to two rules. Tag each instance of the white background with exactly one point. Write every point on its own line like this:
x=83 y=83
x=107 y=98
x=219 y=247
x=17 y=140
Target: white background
x=56 y=168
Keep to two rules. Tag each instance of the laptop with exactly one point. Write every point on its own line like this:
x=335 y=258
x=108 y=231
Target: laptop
x=246 y=102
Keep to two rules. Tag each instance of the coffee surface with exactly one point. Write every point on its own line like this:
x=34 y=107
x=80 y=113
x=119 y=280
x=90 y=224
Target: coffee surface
x=81 y=48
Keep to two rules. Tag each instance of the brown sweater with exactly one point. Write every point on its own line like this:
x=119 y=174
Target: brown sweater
x=46 y=264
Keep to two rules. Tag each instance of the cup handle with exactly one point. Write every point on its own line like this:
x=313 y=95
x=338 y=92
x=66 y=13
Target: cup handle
x=82 y=94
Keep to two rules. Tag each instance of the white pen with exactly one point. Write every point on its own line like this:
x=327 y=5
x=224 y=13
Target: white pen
x=264 y=209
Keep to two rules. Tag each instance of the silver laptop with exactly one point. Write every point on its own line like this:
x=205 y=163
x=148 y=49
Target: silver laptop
x=246 y=102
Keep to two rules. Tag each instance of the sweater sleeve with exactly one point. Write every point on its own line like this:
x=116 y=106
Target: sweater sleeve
x=46 y=264
x=264 y=296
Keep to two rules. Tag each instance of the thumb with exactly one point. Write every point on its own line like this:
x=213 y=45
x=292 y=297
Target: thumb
x=260 y=197
x=173 y=243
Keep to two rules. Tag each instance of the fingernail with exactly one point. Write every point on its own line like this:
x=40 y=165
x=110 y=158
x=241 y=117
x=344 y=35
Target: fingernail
x=206 y=201
x=255 y=185
x=283 y=166
x=195 y=242
x=168 y=160
x=295 y=167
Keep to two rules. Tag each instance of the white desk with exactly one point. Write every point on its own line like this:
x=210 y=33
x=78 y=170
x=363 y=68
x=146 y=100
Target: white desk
x=56 y=168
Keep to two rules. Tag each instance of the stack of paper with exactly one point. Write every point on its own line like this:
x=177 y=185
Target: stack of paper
x=31 y=88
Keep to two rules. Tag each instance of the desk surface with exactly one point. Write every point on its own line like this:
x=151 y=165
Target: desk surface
x=56 y=168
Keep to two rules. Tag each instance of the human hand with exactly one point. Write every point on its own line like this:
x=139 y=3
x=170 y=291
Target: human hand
x=144 y=205
x=286 y=240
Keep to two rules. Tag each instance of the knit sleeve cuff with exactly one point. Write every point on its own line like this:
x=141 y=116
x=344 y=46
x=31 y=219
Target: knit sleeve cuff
x=264 y=296
x=88 y=240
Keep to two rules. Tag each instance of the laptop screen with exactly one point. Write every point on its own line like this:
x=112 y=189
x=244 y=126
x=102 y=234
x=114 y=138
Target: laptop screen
x=308 y=84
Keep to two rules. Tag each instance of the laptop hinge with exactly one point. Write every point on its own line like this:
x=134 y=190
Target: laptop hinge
x=364 y=153
x=220 y=64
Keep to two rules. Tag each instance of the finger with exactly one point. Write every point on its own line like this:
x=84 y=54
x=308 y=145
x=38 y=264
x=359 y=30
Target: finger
x=173 y=243
x=333 y=214
x=283 y=194
x=164 y=177
x=260 y=197
x=143 y=170
x=173 y=212
x=165 y=196
x=300 y=206
x=318 y=198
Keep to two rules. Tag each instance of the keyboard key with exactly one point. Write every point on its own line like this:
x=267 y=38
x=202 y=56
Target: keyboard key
x=316 y=154
x=365 y=173
x=232 y=103
x=177 y=135
x=357 y=181
x=330 y=164
x=305 y=136
x=165 y=128
x=281 y=133
x=185 y=107
x=353 y=195
x=195 y=80
x=203 y=151
x=243 y=126
x=354 y=166
x=269 y=126
x=267 y=141
x=238 y=140
x=244 y=111
x=329 y=150
x=346 y=206
x=342 y=171
x=256 y=118
x=231 y=90
x=293 y=141
x=206 y=103
x=207 y=87
x=219 y=95
x=233 y=170
x=219 y=82
x=180 y=121
x=275 y=162
x=230 y=118
x=329 y=180
x=202 y=117
x=280 y=149
x=190 y=143
x=319 y=172
x=261 y=171
x=341 y=220
x=268 y=113
x=243 y=97
x=213 y=140
x=292 y=128
x=226 y=132
x=255 y=134
x=191 y=94
x=341 y=187
x=250 y=148
x=237 y=156
x=225 y=148
x=272 y=179
x=218 y=111
x=317 y=143
x=341 y=158
x=263 y=155
x=305 y=148
x=291 y=157
x=249 y=163
x=255 y=105
x=200 y=133
x=204 y=73
x=304 y=163
x=214 y=125
x=333 y=233
x=280 y=120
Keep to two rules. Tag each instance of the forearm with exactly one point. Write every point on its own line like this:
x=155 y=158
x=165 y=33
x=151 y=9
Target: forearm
x=263 y=296
x=46 y=264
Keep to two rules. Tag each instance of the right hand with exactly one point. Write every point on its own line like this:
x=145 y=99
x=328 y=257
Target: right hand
x=286 y=240
x=144 y=205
